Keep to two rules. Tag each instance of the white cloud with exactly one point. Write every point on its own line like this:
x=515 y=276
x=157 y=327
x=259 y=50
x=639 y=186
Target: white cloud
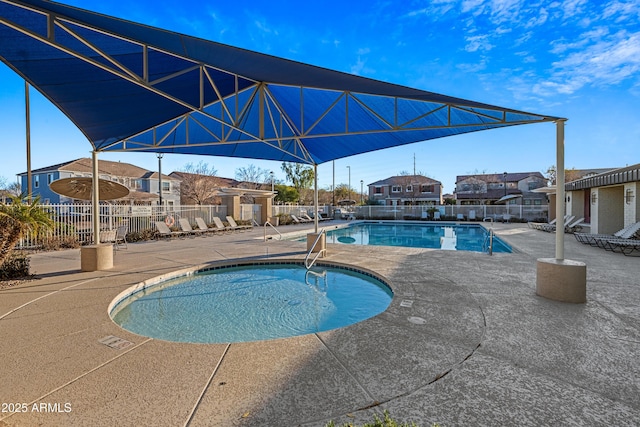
x=606 y=62
x=475 y=43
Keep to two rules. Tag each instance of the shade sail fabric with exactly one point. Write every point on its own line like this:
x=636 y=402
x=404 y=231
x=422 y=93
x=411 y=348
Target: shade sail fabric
x=131 y=87
x=81 y=188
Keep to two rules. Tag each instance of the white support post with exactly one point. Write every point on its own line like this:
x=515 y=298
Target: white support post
x=560 y=203
x=315 y=197
x=95 y=199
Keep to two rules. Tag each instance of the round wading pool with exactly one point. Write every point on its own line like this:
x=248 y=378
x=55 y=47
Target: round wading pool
x=250 y=303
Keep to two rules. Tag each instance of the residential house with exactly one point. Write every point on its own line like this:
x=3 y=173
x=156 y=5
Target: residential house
x=608 y=201
x=142 y=183
x=485 y=189
x=406 y=190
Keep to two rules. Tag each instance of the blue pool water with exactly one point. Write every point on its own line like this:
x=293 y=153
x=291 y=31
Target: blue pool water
x=250 y=303
x=447 y=236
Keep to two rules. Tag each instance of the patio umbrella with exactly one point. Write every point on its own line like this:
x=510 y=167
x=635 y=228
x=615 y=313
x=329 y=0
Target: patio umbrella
x=80 y=188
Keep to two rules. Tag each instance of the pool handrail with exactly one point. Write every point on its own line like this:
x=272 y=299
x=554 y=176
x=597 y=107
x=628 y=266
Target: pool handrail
x=272 y=226
x=320 y=252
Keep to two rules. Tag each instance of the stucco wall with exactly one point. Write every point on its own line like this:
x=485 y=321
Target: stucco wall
x=607 y=215
x=632 y=207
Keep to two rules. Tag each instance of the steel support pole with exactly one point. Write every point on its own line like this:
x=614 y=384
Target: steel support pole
x=560 y=202
x=28 y=140
x=315 y=197
x=95 y=200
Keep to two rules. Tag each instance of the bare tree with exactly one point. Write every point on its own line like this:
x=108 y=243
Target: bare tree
x=254 y=177
x=199 y=184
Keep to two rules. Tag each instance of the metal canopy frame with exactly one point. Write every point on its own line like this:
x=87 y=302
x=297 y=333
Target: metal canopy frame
x=256 y=106
x=131 y=87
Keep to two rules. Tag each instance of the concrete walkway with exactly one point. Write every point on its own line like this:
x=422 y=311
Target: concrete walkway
x=487 y=351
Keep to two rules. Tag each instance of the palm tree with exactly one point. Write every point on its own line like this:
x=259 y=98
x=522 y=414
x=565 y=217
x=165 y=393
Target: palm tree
x=17 y=218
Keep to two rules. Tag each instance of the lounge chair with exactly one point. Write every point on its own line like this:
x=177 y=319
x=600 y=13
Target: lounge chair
x=575 y=226
x=460 y=217
x=308 y=218
x=625 y=233
x=219 y=225
x=186 y=227
x=626 y=246
x=539 y=225
x=552 y=228
x=298 y=220
x=472 y=215
x=203 y=226
x=436 y=216
x=235 y=226
x=164 y=231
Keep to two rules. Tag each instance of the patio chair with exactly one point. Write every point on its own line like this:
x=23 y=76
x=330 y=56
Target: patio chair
x=472 y=215
x=185 y=226
x=164 y=231
x=235 y=226
x=121 y=236
x=460 y=217
x=220 y=226
x=107 y=236
x=625 y=233
x=436 y=216
x=203 y=226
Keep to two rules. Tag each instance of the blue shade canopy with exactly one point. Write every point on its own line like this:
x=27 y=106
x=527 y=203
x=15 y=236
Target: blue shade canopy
x=131 y=87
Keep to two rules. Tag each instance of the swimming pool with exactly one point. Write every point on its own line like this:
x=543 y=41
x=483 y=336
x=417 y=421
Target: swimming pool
x=251 y=303
x=446 y=236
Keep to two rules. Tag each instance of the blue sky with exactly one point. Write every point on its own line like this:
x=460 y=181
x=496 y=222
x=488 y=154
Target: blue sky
x=576 y=59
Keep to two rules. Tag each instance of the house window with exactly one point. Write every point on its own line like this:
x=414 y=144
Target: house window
x=396 y=188
x=377 y=190
x=409 y=188
x=137 y=184
x=49 y=178
x=36 y=181
x=426 y=188
x=166 y=187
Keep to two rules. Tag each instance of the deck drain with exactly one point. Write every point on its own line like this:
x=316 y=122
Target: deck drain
x=417 y=320
x=115 y=342
x=406 y=303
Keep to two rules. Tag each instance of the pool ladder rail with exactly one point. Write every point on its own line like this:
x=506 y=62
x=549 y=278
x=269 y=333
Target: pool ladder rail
x=308 y=264
x=272 y=226
x=487 y=245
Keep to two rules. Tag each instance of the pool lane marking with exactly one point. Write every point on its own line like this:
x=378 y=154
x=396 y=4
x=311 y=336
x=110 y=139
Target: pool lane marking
x=81 y=376
x=206 y=387
x=46 y=295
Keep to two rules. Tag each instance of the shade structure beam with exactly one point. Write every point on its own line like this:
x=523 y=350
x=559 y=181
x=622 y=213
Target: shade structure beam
x=195 y=96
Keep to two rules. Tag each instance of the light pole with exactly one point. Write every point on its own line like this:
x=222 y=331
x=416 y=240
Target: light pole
x=271 y=173
x=160 y=177
x=349 y=199
x=361 y=191
x=504 y=178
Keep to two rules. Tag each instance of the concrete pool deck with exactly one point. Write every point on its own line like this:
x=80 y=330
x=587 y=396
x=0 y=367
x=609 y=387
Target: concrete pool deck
x=464 y=342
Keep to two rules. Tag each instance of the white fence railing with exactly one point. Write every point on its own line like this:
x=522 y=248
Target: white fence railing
x=451 y=212
x=74 y=220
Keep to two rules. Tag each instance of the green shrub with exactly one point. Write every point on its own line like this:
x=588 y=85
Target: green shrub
x=15 y=266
